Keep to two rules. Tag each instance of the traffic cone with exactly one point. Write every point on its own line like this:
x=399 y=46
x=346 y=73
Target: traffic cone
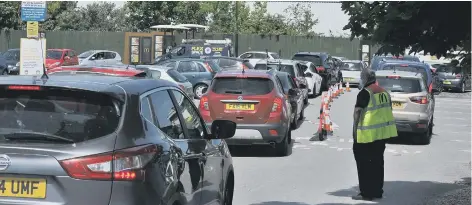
x=321 y=133
x=333 y=93
x=328 y=124
x=341 y=90
x=348 y=89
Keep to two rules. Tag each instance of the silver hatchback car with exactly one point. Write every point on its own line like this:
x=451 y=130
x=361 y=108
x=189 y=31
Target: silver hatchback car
x=413 y=105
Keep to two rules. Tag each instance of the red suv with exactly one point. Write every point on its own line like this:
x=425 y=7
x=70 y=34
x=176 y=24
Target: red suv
x=255 y=100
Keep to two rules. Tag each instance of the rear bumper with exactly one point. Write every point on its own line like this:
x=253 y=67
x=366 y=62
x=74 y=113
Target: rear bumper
x=412 y=126
x=250 y=134
x=352 y=81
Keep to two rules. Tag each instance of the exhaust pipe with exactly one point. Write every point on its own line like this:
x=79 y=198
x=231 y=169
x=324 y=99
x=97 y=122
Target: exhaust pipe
x=272 y=144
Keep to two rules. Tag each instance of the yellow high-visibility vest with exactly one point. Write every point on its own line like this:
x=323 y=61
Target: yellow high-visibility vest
x=376 y=121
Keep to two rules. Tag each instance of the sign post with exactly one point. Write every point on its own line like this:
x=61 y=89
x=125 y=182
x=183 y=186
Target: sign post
x=33 y=48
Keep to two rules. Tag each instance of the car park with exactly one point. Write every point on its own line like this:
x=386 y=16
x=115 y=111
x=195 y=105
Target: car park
x=99 y=57
x=61 y=57
x=413 y=105
x=169 y=74
x=230 y=63
x=12 y=58
x=454 y=78
x=199 y=72
x=111 y=134
x=351 y=71
x=313 y=79
x=295 y=95
x=324 y=64
x=295 y=68
x=377 y=60
x=255 y=100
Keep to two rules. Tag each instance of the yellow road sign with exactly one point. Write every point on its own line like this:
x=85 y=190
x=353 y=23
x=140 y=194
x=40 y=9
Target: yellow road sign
x=32 y=29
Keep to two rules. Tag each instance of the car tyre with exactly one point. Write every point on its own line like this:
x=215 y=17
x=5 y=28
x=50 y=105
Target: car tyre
x=463 y=87
x=425 y=138
x=281 y=148
x=305 y=101
x=229 y=191
x=302 y=114
x=5 y=72
x=199 y=90
x=294 y=123
x=313 y=92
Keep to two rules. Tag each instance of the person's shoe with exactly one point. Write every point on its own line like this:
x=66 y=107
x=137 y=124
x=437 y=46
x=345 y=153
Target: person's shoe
x=360 y=197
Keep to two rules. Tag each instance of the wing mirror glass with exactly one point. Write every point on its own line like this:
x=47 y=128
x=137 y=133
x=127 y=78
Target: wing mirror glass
x=222 y=129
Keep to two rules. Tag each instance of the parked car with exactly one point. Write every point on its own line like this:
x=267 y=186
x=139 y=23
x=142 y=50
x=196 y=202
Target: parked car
x=96 y=70
x=377 y=60
x=110 y=134
x=351 y=71
x=3 y=65
x=324 y=65
x=99 y=57
x=230 y=63
x=255 y=100
x=12 y=58
x=295 y=68
x=454 y=78
x=341 y=59
x=199 y=72
x=255 y=56
x=313 y=79
x=413 y=105
x=169 y=74
x=295 y=95
x=61 y=57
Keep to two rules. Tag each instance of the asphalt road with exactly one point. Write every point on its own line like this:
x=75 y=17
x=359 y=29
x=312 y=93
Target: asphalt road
x=325 y=172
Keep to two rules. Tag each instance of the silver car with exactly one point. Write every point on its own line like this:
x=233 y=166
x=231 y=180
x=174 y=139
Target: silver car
x=413 y=105
x=169 y=74
x=99 y=57
x=351 y=70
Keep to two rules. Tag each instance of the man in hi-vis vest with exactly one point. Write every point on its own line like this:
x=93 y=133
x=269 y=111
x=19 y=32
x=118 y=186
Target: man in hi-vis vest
x=373 y=125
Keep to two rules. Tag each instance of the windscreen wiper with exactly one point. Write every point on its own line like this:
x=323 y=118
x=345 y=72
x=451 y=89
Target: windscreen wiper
x=36 y=136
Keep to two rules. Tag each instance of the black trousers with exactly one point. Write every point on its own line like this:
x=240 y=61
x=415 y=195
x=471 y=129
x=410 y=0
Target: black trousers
x=370 y=167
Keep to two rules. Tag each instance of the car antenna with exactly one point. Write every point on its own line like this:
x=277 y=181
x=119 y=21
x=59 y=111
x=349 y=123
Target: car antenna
x=45 y=76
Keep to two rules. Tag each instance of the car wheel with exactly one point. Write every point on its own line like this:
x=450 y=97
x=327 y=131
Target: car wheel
x=294 y=124
x=302 y=114
x=425 y=138
x=313 y=92
x=5 y=72
x=305 y=101
x=281 y=148
x=229 y=190
x=463 y=88
x=199 y=90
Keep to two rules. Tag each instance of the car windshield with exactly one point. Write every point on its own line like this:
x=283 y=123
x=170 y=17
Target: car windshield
x=175 y=75
x=12 y=55
x=402 y=85
x=242 y=86
x=352 y=66
x=51 y=54
x=86 y=54
x=316 y=60
x=76 y=115
x=280 y=67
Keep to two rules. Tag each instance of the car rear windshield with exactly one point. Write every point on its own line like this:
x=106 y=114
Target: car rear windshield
x=311 y=58
x=215 y=67
x=283 y=68
x=174 y=74
x=402 y=85
x=448 y=69
x=352 y=66
x=243 y=86
x=50 y=54
x=74 y=115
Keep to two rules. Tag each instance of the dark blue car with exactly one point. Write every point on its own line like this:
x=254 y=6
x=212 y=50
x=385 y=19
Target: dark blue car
x=404 y=65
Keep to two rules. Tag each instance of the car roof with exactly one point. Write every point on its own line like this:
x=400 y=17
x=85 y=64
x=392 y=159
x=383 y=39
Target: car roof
x=248 y=72
x=390 y=62
x=352 y=61
x=277 y=61
x=156 y=67
x=406 y=74
x=184 y=59
x=312 y=53
x=263 y=52
x=225 y=57
x=59 y=49
x=13 y=49
x=100 y=51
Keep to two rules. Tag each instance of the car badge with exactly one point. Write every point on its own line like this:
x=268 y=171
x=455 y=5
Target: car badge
x=240 y=98
x=5 y=162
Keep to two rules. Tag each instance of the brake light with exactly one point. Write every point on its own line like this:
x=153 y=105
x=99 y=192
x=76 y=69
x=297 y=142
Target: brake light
x=24 y=87
x=403 y=65
x=122 y=165
x=294 y=79
x=320 y=69
x=277 y=106
x=182 y=87
x=393 y=76
x=458 y=76
x=208 y=67
x=204 y=103
x=419 y=100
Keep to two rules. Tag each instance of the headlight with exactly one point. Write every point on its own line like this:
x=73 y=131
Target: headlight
x=17 y=64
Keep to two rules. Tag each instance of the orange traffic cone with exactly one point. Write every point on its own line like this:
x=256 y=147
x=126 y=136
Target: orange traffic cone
x=321 y=134
x=341 y=90
x=348 y=89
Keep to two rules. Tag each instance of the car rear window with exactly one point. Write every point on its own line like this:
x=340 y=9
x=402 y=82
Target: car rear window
x=174 y=74
x=448 y=69
x=402 y=85
x=243 y=86
x=409 y=69
x=352 y=66
x=75 y=115
x=311 y=58
x=283 y=68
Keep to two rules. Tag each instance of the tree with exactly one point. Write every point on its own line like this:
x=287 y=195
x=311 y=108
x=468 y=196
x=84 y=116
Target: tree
x=9 y=18
x=54 y=10
x=144 y=14
x=191 y=12
x=222 y=20
x=301 y=18
x=432 y=27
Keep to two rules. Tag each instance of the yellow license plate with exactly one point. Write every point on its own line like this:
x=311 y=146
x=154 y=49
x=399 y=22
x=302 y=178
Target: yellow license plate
x=245 y=107
x=397 y=105
x=23 y=187
x=348 y=79
x=447 y=82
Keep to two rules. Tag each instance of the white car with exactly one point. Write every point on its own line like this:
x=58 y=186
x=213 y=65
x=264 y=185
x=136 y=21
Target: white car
x=169 y=74
x=313 y=79
x=99 y=57
x=351 y=70
x=255 y=56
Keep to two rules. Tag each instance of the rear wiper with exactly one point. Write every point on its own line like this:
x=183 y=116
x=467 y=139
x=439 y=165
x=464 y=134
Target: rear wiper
x=397 y=91
x=36 y=136
x=234 y=92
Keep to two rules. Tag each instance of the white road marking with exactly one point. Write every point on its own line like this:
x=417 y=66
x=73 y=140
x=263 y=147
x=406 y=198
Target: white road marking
x=299 y=146
x=417 y=152
x=465 y=150
x=404 y=151
x=302 y=138
x=341 y=140
x=320 y=143
x=351 y=140
x=305 y=148
x=340 y=149
x=333 y=147
x=391 y=151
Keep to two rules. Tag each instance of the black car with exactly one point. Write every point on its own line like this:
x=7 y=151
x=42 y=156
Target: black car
x=296 y=96
x=12 y=58
x=133 y=140
x=454 y=78
x=324 y=64
x=230 y=63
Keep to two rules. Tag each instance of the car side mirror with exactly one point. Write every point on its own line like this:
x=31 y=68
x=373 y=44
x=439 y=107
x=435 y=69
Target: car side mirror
x=308 y=75
x=92 y=58
x=222 y=129
x=292 y=92
x=302 y=86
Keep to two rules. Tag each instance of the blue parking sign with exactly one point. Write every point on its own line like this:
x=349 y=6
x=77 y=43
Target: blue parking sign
x=33 y=10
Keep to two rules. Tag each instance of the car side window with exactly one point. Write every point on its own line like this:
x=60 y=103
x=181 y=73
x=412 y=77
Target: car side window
x=169 y=64
x=300 y=69
x=247 y=55
x=187 y=67
x=201 y=68
x=110 y=55
x=260 y=55
x=313 y=68
x=146 y=111
x=166 y=115
x=191 y=119
x=279 y=85
x=99 y=56
x=292 y=82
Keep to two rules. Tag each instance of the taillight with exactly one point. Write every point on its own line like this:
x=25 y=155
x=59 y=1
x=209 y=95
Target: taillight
x=393 y=76
x=122 y=165
x=204 y=103
x=404 y=65
x=458 y=76
x=419 y=100
x=430 y=88
x=208 y=67
x=24 y=87
x=294 y=79
x=320 y=69
x=182 y=87
x=277 y=106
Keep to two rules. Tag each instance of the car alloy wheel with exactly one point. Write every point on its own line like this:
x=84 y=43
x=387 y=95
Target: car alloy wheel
x=200 y=90
x=463 y=88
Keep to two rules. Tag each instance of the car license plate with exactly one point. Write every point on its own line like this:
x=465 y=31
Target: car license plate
x=246 y=107
x=397 y=105
x=447 y=82
x=23 y=187
x=348 y=79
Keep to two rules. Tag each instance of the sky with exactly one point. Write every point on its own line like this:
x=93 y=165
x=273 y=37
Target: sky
x=330 y=15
